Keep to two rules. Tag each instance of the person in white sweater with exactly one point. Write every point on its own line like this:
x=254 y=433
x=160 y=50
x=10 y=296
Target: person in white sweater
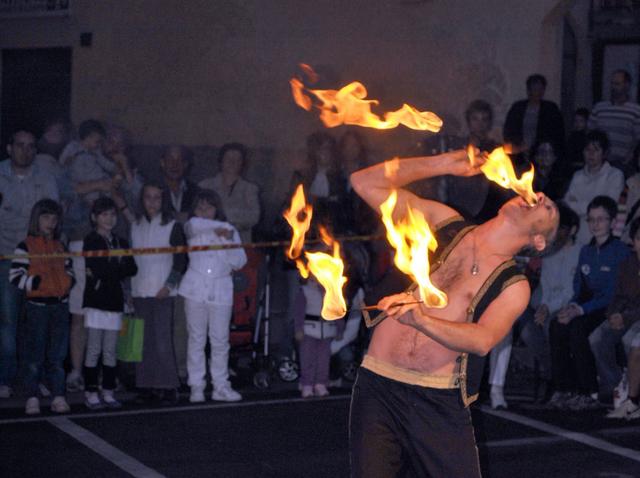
x=597 y=178
x=154 y=289
x=207 y=287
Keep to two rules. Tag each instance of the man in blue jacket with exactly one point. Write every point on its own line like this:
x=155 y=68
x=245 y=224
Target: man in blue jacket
x=572 y=362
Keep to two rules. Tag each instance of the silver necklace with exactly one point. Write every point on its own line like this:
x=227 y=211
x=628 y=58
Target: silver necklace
x=475 y=268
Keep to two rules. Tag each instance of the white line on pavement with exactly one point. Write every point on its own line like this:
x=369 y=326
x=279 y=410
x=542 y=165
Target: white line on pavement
x=184 y=408
x=575 y=436
x=549 y=440
x=104 y=449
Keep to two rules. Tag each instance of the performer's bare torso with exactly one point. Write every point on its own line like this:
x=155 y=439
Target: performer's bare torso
x=406 y=347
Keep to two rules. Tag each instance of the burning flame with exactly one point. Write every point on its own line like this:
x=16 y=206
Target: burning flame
x=412 y=239
x=327 y=269
x=349 y=106
x=499 y=169
x=299 y=218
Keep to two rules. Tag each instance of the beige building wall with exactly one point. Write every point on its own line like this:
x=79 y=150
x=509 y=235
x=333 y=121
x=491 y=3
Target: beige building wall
x=206 y=72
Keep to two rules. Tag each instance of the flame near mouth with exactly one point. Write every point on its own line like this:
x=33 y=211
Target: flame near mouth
x=499 y=169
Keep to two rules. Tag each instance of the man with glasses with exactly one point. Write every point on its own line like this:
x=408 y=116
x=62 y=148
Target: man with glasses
x=22 y=184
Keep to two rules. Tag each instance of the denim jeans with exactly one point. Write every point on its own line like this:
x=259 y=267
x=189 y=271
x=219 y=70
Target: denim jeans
x=536 y=338
x=46 y=341
x=573 y=365
x=603 y=341
x=10 y=304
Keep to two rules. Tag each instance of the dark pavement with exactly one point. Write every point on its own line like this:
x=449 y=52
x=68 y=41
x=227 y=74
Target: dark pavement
x=280 y=435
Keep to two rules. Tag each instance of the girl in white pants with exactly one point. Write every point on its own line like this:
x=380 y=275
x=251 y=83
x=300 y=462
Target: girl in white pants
x=208 y=291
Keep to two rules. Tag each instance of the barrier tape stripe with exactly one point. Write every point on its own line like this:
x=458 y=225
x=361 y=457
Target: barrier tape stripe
x=139 y=251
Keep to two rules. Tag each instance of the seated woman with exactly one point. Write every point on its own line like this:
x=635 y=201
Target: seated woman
x=597 y=178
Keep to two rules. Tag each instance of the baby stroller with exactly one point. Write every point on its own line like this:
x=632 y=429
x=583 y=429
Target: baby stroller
x=250 y=292
x=249 y=336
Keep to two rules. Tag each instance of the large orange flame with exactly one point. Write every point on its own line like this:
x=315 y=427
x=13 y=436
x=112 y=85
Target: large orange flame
x=349 y=105
x=326 y=268
x=498 y=168
x=412 y=239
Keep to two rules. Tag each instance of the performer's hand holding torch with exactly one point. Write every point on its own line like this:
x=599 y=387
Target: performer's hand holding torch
x=396 y=307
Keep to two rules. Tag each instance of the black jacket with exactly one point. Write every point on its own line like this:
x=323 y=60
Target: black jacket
x=103 y=288
x=550 y=124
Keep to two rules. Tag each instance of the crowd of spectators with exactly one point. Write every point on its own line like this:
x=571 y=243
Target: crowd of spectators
x=82 y=191
x=60 y=324
x=580 y=324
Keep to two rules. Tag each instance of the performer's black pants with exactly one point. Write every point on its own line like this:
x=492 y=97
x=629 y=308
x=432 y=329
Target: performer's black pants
x=572 y=363
x=405 y=430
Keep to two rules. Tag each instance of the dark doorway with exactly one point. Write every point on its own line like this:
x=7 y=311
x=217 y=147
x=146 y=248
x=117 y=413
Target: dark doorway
x=36 y=87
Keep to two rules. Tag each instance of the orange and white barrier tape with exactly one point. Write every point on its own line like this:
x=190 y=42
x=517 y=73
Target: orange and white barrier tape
x=139 y=251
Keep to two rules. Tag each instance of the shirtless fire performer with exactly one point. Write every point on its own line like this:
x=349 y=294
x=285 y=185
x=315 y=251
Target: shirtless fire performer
x=409 y=412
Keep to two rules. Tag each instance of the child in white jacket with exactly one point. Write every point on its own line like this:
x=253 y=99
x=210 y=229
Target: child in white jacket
x=208 y=291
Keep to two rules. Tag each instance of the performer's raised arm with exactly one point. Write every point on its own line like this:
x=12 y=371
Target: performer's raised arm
x=373 y=184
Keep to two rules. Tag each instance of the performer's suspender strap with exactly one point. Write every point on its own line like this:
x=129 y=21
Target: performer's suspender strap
x=471 y=366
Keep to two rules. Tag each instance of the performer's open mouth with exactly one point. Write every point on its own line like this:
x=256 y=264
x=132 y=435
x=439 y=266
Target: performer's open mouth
x=525 y=205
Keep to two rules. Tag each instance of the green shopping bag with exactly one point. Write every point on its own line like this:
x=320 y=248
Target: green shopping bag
x=131 y=339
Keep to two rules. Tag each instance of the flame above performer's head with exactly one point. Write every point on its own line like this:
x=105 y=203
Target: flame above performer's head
x=349 y=105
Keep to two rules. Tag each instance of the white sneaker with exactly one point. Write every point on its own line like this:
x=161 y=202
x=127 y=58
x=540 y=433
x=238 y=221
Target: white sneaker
x=634 y=413
x=109 y=400
x=197 y=395
x=320 y=390
x=92 y=401
x=32 y=407
x=60 y=405
x=497 y=398
x=5 y=391
x=225 y=394
x=306 y=391
x=623 y=410
x=583 y=403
